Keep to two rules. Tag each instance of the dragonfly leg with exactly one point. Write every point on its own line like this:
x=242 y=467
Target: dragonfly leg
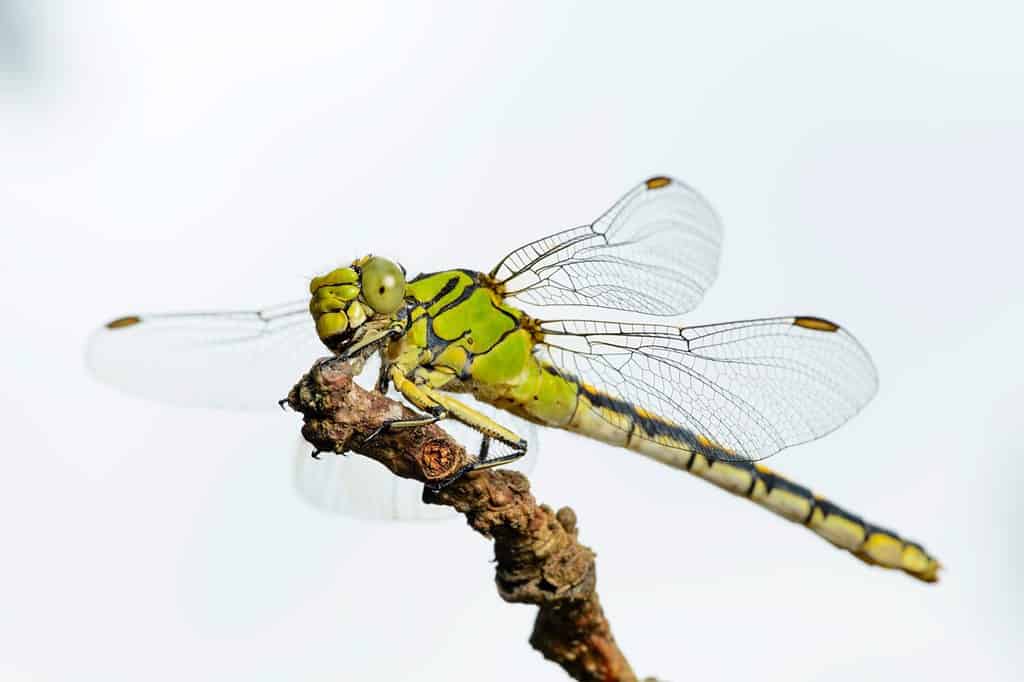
x=482 y=462
x=383 y=379
x=396 y=424
x=432 y=400
x=477 y=421
x=451 y=479
x=499 y=461
x=485 y=462
x=420 y=396
x=415 y=395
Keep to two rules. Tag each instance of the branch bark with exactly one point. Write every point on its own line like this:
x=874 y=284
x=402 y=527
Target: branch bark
x=539 y=558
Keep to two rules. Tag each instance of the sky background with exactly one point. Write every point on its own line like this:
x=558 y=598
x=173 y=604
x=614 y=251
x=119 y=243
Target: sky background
x=867 y=167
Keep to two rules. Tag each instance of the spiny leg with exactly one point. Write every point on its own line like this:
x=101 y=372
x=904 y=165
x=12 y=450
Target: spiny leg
x=483 y=462
x=498 y=461
x=490 y=429
x=414 y=394
x=423 y=396
x=436 y=415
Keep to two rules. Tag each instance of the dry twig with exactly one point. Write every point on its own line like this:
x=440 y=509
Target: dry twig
x=539 y=559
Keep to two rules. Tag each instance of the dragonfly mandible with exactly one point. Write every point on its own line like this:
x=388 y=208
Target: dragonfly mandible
x=709 y=399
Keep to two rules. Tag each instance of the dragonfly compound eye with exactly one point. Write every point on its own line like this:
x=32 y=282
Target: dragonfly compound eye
x=383 y=285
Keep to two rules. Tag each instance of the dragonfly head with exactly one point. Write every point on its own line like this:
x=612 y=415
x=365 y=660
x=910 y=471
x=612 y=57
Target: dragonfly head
x=354 y=307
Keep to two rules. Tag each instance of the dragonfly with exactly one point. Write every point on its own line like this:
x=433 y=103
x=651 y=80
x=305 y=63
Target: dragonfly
x=712 y=400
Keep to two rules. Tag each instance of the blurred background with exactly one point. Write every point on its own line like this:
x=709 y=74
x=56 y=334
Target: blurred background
x=866 y=162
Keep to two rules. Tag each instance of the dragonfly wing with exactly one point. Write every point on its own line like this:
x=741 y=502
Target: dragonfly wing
x=358 y=487
x=250 y=360
x=234 y=359
x=655 y=251
x=750 y=388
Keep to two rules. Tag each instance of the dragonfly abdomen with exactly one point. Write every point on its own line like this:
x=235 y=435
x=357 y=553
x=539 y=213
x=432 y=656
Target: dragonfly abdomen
x=620 y=423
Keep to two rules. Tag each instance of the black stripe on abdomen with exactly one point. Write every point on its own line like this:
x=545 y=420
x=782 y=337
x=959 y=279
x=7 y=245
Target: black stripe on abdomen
x=651 y=426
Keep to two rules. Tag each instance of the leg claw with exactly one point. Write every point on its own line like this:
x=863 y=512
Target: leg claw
x=376 y=432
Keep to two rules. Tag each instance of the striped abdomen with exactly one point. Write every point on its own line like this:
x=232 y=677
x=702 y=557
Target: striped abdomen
x=602 y=417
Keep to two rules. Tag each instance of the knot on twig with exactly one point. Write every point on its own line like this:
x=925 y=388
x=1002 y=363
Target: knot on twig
x=438 y=459
x=490 y=500
x=538 y=556
x=548 y=566
x=539 y=559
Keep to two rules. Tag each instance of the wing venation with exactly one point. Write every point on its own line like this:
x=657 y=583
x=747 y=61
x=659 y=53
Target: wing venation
x=655 y=251
x=244 y=359
x=751 y=387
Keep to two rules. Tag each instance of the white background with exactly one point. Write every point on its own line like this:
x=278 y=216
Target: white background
x=866 y=161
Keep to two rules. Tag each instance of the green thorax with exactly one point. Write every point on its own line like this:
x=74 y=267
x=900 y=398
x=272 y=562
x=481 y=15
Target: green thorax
x=463 y=336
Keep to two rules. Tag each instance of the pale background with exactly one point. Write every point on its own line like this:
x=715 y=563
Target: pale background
x=867 y=162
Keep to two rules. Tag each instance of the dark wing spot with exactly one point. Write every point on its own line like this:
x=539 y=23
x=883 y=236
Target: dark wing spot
x=816 y=323
x=658 y=182
x=122 y=322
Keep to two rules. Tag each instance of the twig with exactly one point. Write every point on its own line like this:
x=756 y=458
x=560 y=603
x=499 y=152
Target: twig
x=539 y=559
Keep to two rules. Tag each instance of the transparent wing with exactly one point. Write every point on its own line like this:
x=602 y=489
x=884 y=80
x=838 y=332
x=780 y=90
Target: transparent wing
x=655 y=251
x=233 y=359
x=250 y=360
x=752 y=388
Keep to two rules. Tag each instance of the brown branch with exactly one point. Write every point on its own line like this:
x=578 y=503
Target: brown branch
x=539 y=559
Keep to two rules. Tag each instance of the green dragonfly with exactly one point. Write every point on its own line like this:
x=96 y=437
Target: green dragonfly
x=709 y=399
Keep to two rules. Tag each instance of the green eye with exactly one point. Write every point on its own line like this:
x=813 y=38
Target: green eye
x=383 y=285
